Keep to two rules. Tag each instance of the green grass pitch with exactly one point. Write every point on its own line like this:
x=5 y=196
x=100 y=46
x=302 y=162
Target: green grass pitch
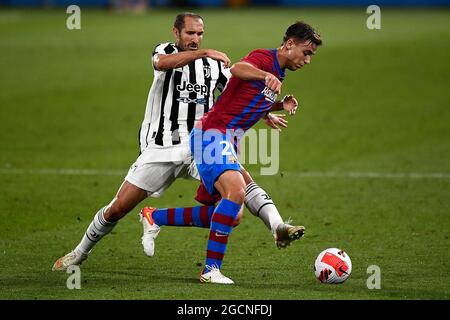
x=374 y=102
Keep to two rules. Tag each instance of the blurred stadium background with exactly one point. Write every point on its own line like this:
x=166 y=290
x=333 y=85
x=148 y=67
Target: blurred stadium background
x=223 y=3
x=375 y=103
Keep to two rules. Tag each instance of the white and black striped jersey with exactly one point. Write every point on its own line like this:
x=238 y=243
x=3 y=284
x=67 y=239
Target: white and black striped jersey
x=178 y=98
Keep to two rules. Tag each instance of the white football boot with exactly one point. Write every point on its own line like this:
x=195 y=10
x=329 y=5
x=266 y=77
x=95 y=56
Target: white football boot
x=286 y=233
x=151 y=230
x=73 y=258
x=214 y=276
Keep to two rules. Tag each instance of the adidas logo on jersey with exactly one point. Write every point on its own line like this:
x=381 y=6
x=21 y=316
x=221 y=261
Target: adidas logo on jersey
x=189 y=87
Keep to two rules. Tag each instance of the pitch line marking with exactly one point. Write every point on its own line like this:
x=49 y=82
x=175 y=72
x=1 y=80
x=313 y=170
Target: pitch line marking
x=300 y=174
x=64 y=172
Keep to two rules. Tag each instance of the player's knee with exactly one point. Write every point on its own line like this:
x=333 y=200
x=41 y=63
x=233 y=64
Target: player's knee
x=116 y=211
x=237 y=195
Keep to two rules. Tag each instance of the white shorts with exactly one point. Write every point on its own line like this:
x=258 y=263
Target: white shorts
x=155 y=174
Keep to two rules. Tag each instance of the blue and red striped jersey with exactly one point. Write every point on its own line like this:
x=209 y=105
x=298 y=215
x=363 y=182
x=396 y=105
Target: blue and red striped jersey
x=243 y=102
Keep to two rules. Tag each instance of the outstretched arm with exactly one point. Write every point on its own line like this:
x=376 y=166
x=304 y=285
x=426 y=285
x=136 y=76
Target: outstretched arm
x=164 y=62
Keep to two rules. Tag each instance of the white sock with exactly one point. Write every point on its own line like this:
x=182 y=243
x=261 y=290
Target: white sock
x=261 y=205
x=96 y=230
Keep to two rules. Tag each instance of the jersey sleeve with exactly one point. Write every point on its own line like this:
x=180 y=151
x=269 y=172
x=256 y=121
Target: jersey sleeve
x=260 y=59
x=163 y=48
x=224 y=76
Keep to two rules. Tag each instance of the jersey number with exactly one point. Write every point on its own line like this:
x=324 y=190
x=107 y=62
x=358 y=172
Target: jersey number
x=227 y=149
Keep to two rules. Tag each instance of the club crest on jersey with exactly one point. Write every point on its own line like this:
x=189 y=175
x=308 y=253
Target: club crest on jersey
x=189 y=87
x=207 y=71
x=269 y=94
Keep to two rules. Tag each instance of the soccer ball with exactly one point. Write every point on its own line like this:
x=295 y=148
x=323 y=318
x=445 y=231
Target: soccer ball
x=333 y=265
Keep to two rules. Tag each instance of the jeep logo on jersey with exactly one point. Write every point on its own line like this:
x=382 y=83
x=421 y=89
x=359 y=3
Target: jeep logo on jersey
x=270 y=95
x=189 y=87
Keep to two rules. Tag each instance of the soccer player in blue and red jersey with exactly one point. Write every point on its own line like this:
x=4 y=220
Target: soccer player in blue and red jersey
x=249 y=95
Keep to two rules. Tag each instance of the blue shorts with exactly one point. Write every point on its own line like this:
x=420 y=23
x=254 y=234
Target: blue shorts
x=213 y=153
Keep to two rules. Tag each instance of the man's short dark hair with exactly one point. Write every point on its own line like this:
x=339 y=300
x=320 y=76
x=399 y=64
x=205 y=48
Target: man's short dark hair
x=179 y=20
x=301 y=31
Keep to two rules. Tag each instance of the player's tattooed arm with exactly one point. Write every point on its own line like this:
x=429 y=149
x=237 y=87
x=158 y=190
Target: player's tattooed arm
x=165 y=62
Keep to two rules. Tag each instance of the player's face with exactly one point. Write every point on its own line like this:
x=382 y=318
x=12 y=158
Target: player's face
x=190 y=37
x=299 y=54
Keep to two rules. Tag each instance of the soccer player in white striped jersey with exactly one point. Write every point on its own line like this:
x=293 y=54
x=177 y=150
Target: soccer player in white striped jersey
x=185 y=79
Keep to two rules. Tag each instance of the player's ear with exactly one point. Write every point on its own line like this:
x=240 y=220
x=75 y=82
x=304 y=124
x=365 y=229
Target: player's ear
x=176 y=32
x=286 y=45
x=290 y=43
